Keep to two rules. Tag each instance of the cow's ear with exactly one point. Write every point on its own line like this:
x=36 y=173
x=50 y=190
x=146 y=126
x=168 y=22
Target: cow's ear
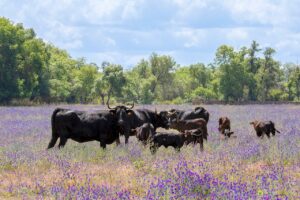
x=113 y=112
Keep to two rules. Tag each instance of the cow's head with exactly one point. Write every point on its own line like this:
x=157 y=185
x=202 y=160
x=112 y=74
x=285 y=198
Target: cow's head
x=193 y=135
x=123 y=114
x=254 y=123
x=227 y=133
x=173 y=115
x=162 y=119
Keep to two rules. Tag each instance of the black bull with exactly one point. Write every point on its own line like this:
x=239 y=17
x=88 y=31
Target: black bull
x=83 y=127
x=129 y=119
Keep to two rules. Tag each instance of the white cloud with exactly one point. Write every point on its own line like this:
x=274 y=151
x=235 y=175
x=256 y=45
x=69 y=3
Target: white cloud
x=275 y=13
x=191 y=37
x=237 y=34
x=123 y=31
x=67 y=37
x=186 y=7
x=107 y=11
x=131 y=9
x=127 y=59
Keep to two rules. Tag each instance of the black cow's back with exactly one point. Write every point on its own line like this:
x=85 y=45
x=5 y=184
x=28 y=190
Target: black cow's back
x=198 y=112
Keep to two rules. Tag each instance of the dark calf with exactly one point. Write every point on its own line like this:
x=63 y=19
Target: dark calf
x=264 y=127
x=224 y=126
x=166 y=140
x=194 y=136
x=144 y=132
x=183 y=125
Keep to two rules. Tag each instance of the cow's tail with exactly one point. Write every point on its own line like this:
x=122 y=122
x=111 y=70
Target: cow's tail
x=274 y=127
x=54 y=131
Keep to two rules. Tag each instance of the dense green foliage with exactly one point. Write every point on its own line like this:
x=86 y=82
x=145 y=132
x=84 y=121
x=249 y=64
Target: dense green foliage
x=33 y=70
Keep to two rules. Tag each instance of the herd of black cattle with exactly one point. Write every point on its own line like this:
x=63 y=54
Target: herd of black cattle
x=106 y=126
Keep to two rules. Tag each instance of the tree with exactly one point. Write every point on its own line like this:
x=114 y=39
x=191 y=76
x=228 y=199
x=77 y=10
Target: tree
x=200 y=75
x=268 y=74
x=114 y=76
x=232 y=73
x=253 y=67
x=33 y=69
x=62 y=75
x=161 y=68
x=101 y=88
x=85 y=78
x=9 y=50
x=292 y=79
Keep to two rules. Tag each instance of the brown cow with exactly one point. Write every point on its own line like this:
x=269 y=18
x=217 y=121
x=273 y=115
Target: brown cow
x=144 y=132
x=224 y=126
x=264 y=127
x=183 y=125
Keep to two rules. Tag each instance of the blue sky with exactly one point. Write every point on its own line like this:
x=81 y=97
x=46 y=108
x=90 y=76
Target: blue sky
x=125 y=31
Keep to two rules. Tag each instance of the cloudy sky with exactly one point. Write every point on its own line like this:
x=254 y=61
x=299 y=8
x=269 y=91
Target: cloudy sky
x=124 y=31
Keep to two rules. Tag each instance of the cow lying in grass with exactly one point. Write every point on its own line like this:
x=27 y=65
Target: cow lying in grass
x=144 y=132
x=224 y=127
x=264 y=127
x=191 y=124
x=176 y=140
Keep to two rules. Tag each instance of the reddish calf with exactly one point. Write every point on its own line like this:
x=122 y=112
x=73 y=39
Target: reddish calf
x=224 y=126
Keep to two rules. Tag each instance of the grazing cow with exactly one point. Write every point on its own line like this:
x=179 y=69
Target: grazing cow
x=82 y=126
x=224 y=126
x=128 y=119
x=194 y=136
x=176 y=140
x=166 y=140
x=264 y=127
x=198 y=112
x=182 y=125
x=144 y=132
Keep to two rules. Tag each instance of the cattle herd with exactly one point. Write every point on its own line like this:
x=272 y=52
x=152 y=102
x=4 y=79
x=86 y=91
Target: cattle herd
x=106 y=126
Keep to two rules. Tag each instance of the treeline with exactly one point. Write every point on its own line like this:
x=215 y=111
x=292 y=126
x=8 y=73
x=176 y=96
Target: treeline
x=33 y=70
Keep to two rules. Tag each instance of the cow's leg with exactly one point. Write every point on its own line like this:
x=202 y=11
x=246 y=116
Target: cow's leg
x=62 y=142
x=103 y=145
x=177 y=149
x=118 y=141
x=259 y=134
x=153 y=148
x=126 y=139
x=144 y=142
x=200 y=140
x=126 y=135
x=273 y=132
x=52 y=141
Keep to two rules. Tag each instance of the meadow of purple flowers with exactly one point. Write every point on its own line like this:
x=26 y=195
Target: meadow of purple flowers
x=244 y=167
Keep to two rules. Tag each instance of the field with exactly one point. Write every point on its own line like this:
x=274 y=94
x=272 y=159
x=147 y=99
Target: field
x=244 y=167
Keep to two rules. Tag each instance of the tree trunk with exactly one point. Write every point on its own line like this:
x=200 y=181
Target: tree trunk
x=102 y=99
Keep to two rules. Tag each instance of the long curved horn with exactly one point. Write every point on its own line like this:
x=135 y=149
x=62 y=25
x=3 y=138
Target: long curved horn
x=132 y=105
x=172 y=110
x=111 y=108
